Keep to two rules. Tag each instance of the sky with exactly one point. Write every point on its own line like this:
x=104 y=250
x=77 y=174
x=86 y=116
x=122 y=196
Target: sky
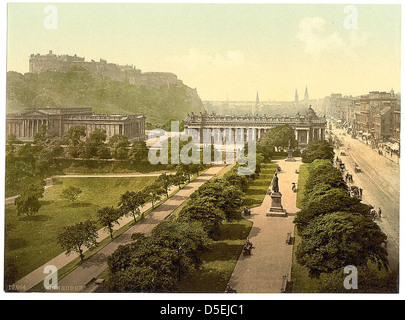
x=233 y=50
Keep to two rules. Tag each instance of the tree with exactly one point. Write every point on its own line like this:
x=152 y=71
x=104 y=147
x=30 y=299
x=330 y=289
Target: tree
x=153 y=193
x=155 y=263
x=131 y=201
x=369 y=281
x=119 y=145
x=222 y=194
x=73 y=238
x=108 y=217
x=204 y=211
x=139 y=153
x=188 y=240
x=71 y=193
x=74 y=139
x=275 y=139
x=28 y=201
x=321 y=172
x=333 y=241
x=237 y=180
x=184 y=169
x=178 y=179
x=327 y=201
x=41 y=138
x=142 y=266
x=318 y=149
x=165 y=181
x=95 y=146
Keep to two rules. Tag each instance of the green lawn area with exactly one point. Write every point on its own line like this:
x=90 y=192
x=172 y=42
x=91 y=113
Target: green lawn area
x=258 y=188
x=302 y=178
x=31 y=241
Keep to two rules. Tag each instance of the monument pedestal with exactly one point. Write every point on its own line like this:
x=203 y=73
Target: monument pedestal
x=276 y=209
x=290 y=157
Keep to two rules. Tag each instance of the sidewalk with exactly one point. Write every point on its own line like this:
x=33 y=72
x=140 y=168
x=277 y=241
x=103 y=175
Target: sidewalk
x=95 y=265
x=271 y=258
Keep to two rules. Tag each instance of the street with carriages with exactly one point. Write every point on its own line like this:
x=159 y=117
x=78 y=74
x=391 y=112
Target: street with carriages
x=380 y=180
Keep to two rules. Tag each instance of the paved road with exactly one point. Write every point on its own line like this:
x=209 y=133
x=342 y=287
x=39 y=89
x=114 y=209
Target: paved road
x=380 y=180
x=271 y=257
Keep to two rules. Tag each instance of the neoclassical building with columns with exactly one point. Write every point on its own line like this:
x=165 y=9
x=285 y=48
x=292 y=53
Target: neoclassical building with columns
x=59 y=120
x=307 y=127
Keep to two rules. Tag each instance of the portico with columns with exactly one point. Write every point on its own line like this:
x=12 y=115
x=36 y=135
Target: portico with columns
x=307 y=127
x=58 y=121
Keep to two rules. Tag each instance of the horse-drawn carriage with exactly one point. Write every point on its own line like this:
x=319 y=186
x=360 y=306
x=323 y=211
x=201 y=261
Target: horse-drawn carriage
x=356 y=168
x=355 y=192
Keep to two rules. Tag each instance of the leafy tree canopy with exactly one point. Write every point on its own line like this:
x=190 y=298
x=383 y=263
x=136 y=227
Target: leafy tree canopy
x=333 y=241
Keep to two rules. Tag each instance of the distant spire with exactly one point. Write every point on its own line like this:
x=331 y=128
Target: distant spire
x=296 y=95
x=257 y=98
x=306 y=93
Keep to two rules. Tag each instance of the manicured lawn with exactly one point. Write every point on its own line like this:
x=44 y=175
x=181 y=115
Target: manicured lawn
x=31 y=241
x=302 y=178
x=257 y=190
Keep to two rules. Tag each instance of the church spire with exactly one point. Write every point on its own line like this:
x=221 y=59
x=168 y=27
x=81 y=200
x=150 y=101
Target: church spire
x=306 y=93
x=257 y=98
x=296 y=95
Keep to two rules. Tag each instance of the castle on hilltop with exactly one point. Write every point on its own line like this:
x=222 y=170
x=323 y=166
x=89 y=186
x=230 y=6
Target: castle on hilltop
x=64 y=63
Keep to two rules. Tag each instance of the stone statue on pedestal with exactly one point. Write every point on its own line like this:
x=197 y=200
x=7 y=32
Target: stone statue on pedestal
x=276 y=208
x=275 y=184
x=290 y=157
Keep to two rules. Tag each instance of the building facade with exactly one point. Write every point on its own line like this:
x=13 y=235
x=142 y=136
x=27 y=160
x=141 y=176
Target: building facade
x=376 y=117
x=307 y=127
x=59 y=120
x=64 y=63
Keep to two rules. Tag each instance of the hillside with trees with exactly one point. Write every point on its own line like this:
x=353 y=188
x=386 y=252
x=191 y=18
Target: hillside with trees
x=78 y=89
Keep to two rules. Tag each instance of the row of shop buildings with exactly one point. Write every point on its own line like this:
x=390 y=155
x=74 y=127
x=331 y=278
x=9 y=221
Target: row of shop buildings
x=374 y=117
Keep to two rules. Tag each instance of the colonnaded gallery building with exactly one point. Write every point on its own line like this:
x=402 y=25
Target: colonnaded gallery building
x=307 y=127
x=59 y=120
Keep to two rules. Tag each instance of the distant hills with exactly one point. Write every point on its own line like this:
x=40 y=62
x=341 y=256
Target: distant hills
x=78 y=88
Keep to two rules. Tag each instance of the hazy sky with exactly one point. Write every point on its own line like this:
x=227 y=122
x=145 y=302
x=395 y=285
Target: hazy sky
x=234 y=49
